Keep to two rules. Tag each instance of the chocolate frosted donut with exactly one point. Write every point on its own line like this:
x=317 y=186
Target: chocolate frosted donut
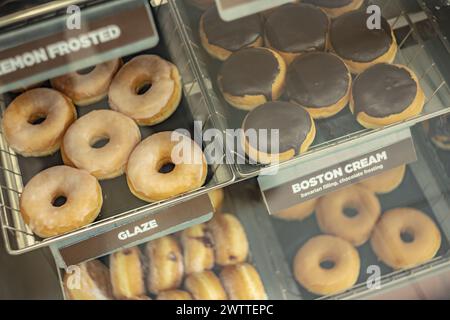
x=294 y=29
x=296 y=132
x=335 y=8
x=221 y=38
x=359 y=46
x=386 y=94
x=251 y=77
x=319 y=82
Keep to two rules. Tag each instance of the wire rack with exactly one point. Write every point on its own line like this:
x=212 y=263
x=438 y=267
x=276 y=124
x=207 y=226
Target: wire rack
x=18 y=236
x=423 y=51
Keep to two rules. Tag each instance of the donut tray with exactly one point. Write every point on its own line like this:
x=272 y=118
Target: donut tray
x=420 y=189
x=243 y=200
x=120 y=206
x=422 y=48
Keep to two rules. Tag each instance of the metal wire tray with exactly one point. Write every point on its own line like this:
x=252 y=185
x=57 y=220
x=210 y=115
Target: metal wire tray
x=121 y=206
x=424 y=50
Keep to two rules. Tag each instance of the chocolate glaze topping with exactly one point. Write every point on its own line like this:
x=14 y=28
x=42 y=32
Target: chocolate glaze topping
x=293 y=122
x=383 y=90
x=249 y=71
x=232 y=35
x=317 y=80
x=353 y=40
x=297 y=28
x=329 y=3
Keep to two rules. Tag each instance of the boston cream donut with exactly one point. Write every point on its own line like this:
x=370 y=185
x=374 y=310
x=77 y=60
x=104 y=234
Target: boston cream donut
x=230 y=240
x=87 y=86
x=295 y=29
x=405 y=238
x=40 y=203
x=198 y=249
x=298 y=212
x=385 y=182
x=174 y=295
x=145 y=178
x=242 y=282
x=205 y=286
x=359 y=46
x=331 y=213
x=109 y=161
x=335 y=8
x=165 y=264
x=23 y=131
x=327 y=265
x=91 y=282
x=251 y=77
x=127 y=91
x=127 y=274
x=221 y=38
x=386 y=94
x=320 y=82
x=295 y=127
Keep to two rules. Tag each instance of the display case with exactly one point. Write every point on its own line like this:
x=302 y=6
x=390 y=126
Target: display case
x=349 y=193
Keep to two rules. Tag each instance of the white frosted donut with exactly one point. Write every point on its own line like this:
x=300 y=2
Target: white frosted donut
x=110 y=160
x=87 y=88
x=26 y=137
x=155 y=105
x=83 y=201
x=143 y=171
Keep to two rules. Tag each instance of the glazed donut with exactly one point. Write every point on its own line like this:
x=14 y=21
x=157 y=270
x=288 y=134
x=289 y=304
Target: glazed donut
x=165 y=271
x=205 y=286
x=320 y=82
x=390 y=243
x=174 y=295
x=216 y=196
x=335 y=8
x=109 y=161
x=127 y=274
x=89 y=282
x=386 y=94
x=294 y=29
x=242 y=282
x=40 y=206
x=327 y=265
x=145 y=178
x=332 y=219
x=295 y=127
x=385 y=182
x=87 y=88
x=156 y=104
x=33 y=139
x=251 y=77
x=359 y=46
x=221 y=38
x=198 y=249
x=298 y=212
x=230 y=240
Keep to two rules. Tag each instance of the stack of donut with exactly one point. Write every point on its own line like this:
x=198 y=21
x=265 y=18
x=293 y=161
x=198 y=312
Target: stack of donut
x=305 y=53
x=103 y=144
x=178 y=267
x=401 y=238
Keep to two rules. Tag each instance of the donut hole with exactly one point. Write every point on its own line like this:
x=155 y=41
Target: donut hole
x=99 y=142
x=143 y=88
x=36 y=119
x=350 y=212
x=59 y=201
x=407 y=236
x=327 y=264
x=85 y=71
